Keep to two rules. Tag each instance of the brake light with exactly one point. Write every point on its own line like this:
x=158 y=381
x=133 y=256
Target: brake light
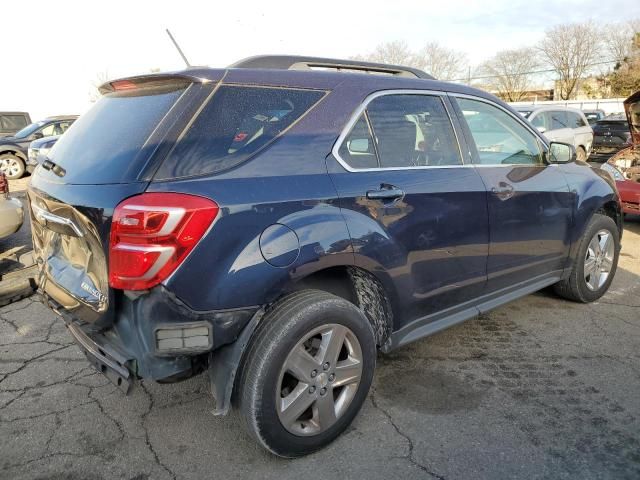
x=152 y=233
x=123 y=85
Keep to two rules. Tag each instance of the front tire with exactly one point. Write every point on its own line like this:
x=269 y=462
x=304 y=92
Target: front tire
x=307 y=372
x=595 y=263
x=12 y=166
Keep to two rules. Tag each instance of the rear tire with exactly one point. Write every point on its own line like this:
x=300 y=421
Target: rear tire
x=12 y=166
x=307 y=373
x=595 y=264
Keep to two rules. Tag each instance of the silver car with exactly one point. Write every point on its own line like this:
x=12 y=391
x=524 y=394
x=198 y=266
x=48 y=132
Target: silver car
x=561 y=124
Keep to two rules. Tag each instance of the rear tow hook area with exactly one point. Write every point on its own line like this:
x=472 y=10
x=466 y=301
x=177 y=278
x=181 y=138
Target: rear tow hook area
x=106 y=361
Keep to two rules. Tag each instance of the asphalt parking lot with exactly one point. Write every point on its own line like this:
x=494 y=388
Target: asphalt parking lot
x=540 y=388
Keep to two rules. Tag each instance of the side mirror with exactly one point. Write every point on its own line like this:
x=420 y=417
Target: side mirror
x=541 y=129
x=561 y=153
x=37 y=135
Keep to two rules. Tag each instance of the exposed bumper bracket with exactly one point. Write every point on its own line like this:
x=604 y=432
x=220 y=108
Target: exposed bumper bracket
x=108 y=363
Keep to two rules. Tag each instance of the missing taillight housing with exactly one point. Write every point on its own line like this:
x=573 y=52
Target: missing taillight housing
x=152 y=233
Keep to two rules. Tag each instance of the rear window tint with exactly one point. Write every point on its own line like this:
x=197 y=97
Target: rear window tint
x=618 y=126
x=235 y=123
x=13 y=122
x=105 y=145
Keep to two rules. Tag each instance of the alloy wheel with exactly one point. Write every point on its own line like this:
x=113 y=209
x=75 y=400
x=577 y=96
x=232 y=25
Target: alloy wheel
x=319 y=379
x=598 y=260
x=10 y=166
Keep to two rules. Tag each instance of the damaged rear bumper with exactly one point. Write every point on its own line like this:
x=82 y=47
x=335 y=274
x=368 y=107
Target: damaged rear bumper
x=132 y=346
x=105 y=359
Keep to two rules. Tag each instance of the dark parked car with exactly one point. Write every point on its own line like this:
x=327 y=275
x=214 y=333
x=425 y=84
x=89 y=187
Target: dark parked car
x=594 y=116
x=274 y=225
x=13 y=150
x=11 y=122
x=609 y=137
x=38 y=150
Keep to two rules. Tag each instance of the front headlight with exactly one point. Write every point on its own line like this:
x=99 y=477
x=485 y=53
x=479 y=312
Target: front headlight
x=613 y=171
x=32 y=153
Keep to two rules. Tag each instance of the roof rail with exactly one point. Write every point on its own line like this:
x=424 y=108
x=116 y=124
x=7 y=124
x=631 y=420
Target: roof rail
x=292 y=62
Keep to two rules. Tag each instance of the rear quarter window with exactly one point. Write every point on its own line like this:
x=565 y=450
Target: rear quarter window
x=235 y=123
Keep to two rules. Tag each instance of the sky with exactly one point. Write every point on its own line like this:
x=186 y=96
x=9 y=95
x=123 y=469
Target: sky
x=55 y=51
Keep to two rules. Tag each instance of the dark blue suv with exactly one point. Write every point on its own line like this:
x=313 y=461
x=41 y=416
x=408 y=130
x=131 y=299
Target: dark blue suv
x=277 y=222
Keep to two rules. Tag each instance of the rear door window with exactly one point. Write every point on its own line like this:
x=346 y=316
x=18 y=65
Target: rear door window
x=236 y=122
x=400 y=131
x=108 y=144
x=413 y=131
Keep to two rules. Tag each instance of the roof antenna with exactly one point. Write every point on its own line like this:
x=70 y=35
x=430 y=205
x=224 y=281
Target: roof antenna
x=179 y=49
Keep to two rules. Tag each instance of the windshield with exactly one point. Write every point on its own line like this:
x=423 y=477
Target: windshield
x=524 y=113
x=29 y=129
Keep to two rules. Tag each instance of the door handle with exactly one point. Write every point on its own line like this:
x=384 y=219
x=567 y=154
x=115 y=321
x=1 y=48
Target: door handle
x=503 y=190
x=387 y=192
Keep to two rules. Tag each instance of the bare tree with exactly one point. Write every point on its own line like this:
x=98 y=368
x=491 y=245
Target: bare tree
x=101 y=77
x=571 y=49
x=618 y=39
x=510 y=72
x=396 y=52
x=441 y=62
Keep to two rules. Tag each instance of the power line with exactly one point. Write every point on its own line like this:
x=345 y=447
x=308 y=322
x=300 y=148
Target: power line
x=551 y=70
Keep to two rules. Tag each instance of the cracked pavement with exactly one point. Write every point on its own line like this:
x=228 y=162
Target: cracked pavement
x=540 y=388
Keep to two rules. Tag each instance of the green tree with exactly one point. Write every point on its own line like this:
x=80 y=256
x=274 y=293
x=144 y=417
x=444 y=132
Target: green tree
x=625 y=79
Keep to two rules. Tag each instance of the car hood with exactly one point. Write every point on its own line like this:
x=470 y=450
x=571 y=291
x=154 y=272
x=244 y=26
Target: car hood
x=632 y=109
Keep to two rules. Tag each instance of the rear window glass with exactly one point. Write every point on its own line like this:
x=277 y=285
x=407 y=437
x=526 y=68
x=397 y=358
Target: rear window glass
x=235 y=123
x=105 y=145
x=617 y=125
x=12 y=122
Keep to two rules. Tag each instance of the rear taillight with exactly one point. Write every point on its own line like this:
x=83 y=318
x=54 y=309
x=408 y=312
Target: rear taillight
x=152 y=233
x=4 y=186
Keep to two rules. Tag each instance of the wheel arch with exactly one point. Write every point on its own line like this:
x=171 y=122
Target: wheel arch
x=8 y=149
x=359 y=286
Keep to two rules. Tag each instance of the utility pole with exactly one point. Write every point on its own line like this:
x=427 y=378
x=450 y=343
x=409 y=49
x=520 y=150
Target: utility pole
x=469 y=77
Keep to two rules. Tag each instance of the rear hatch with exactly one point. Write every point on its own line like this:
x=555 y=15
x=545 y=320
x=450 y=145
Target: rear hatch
x=109 y=154
x=611 y=136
